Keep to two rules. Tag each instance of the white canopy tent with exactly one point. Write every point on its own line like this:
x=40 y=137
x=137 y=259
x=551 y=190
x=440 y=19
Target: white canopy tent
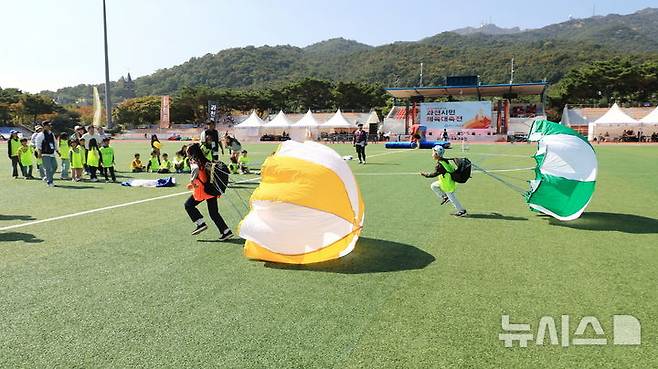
x=373 y=118
x=337 y=121
x=571 y=117
x=278 y=125
x=651 y=118
x=250 y=128
x=305 y=128
x=614 y=122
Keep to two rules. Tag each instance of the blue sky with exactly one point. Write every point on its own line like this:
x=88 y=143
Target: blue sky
x=47 y=44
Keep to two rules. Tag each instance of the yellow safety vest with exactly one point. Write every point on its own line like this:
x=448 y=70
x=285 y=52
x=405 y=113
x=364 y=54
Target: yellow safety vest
x=77 y=157
x=14 y=145
x=25 y=155
x=64 y=149
x=93 y=158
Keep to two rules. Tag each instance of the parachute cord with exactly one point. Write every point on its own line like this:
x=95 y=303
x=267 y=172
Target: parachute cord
x=237 y=192
x=512 y=177
x=504 y=182
x=240 y=214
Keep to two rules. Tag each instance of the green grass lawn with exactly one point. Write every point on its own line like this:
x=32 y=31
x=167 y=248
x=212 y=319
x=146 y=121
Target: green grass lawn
x=129 y=286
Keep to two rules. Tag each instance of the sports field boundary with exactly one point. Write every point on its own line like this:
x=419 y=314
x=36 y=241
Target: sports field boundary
x=117 y=206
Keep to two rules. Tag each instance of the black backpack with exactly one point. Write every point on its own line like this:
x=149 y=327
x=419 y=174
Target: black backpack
x=217 y=173
x=463 y=171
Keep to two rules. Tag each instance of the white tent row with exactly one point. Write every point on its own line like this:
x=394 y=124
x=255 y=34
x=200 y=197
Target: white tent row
x=615 y=122
x=306 y=128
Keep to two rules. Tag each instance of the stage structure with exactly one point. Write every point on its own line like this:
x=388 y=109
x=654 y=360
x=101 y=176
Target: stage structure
x=490 y=97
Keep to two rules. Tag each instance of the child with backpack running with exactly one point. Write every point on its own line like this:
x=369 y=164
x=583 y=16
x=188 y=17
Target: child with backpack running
x=199 y=179
x=445 y=186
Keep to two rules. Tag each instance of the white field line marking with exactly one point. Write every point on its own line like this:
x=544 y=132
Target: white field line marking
x=388 y=153
x=105 y=208
x=416 y=173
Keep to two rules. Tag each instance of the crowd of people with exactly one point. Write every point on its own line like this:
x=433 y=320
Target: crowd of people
x=88 y=153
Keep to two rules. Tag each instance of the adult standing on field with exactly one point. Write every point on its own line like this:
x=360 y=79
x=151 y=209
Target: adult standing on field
x=33 y=141
x=91 y=133
x=215 y=144
x=46 y=149
x=13 y=144
x=78 y=132
x=360 y=141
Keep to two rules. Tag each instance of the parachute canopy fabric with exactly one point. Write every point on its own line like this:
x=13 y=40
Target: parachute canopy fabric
x=565 y=174
x=307 y=209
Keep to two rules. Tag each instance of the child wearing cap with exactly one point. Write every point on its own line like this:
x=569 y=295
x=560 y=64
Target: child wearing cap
x=445 y=186
x=77 y=159
x=26 y=157
x=107 y=157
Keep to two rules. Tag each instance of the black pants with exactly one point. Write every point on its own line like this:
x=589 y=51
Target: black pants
x=361 y=152
x=92 y=172
x=14 y=166
x=213 y=211
x=27 y=171
x=111 y=170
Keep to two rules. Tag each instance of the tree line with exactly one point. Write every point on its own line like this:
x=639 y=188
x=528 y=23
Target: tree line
x=623 y=80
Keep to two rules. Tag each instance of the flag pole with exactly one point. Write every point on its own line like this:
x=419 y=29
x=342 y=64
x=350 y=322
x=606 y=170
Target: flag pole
x=108 y=103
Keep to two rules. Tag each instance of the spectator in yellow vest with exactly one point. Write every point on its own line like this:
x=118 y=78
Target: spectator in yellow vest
x=12 y=151
x=26 y=157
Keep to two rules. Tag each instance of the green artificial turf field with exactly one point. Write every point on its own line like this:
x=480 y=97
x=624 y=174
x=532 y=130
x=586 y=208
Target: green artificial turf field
x=129 y=287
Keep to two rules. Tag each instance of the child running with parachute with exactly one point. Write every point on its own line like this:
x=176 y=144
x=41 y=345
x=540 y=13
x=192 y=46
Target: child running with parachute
x=208 y=183
x=448 y=174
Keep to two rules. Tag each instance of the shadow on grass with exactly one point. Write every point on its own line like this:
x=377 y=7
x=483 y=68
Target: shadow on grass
x=494 y=216
x=369 y=256
x=16 y=217
x=235 y=241
x=626 y=223
x=18 y=236
x=76 y=187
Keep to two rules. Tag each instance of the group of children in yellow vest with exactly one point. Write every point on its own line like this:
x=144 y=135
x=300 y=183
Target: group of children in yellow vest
x=160 y=163
x=80 y=160
x=74 y=157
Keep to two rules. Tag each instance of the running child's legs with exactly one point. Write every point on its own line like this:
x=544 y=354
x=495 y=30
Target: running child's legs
x=196 y=217
x=213 y=211
x=451 y=196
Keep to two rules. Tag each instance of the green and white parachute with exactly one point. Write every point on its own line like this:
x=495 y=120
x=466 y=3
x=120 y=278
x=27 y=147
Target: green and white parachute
x=565 y=173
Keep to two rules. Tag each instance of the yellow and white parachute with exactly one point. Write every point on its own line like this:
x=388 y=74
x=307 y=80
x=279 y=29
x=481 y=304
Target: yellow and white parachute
x=307 y=208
